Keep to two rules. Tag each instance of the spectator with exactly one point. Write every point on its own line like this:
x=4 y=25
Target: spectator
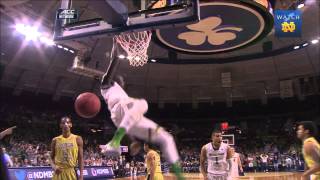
x=264 y=160
x=288 y=163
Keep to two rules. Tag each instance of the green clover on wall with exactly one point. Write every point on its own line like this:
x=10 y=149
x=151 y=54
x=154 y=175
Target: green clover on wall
x=209 y=28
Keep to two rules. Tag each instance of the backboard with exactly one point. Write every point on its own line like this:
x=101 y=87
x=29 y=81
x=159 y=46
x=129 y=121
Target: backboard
x=82 y=18
x=228 y=139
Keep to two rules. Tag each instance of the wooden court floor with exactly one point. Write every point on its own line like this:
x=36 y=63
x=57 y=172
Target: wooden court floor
x=248 y=176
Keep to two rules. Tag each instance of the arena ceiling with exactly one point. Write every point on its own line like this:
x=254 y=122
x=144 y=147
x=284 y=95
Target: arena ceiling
x=32 y=67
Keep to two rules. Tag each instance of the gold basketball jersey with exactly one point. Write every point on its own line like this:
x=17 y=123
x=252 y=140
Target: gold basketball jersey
x=310 y=162
x=156 y=157
x=66 y=155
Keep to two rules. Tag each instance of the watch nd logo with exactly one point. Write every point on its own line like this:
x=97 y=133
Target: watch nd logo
x=288 y=27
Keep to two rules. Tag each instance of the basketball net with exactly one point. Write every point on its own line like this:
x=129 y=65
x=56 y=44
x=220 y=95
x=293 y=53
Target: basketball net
x=136 y=45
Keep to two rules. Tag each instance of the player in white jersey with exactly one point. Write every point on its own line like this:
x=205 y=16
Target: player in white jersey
x=217 y=154
x=127 y=115
x=235 y=165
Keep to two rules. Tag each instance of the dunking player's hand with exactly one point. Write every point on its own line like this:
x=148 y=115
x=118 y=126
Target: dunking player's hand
x=106 y=82
x=107 y=78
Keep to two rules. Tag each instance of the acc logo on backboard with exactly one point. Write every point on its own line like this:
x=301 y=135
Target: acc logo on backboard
x=288 y=23
x=67 y=14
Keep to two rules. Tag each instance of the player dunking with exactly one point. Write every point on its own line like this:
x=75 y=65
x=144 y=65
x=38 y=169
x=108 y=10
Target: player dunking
x=128 y=116
x=306 y=132
x=218 y=155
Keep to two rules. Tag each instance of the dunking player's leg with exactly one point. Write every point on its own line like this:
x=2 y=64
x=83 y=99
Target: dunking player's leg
x=149 y=131
x=126 y=114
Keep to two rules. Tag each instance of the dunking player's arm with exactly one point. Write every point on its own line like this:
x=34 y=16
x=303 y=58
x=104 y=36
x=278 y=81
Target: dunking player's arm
x=311 y=150
x=203 y=158
x=80 y=156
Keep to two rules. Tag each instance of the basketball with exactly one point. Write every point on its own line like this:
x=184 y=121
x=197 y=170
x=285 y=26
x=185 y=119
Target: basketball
x=87 y=105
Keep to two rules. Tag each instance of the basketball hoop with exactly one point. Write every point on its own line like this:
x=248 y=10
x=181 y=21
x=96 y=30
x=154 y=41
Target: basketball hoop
x=136 y=45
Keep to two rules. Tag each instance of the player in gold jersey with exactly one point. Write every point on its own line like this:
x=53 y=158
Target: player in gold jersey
x=306 y=132
x=153 y=163
x=66 y=153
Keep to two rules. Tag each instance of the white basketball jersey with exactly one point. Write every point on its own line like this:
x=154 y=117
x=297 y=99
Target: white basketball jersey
x=113 y=96
x=217 y=159
x=234 y=165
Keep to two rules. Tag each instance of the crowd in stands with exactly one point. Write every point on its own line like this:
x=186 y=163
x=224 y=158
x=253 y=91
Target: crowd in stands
x=30 y=146
x=31 y=154
x=27 y=154
x=253 y=160
x=190 y=159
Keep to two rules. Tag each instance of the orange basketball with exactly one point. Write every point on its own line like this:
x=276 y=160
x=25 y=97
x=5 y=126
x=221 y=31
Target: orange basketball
x=87 y=105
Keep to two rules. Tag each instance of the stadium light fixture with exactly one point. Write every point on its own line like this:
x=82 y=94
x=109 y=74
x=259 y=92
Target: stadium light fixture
x=31 y=33
x=301 y=5
x=315 y=41
x=121 y=56
x=46 y=41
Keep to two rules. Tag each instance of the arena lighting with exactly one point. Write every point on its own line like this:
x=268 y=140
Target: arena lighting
x=46 y=41
x=31 y=33
x=296 y=47
x=137 y=58
x=224 y=126
x=301 y=5
x=20 y=28
x=121 y=56
x=305 y=44
x=153 y=60
x=315 y=41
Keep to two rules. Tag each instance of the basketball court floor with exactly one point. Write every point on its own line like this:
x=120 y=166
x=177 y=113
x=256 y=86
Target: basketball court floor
x=248 y=176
